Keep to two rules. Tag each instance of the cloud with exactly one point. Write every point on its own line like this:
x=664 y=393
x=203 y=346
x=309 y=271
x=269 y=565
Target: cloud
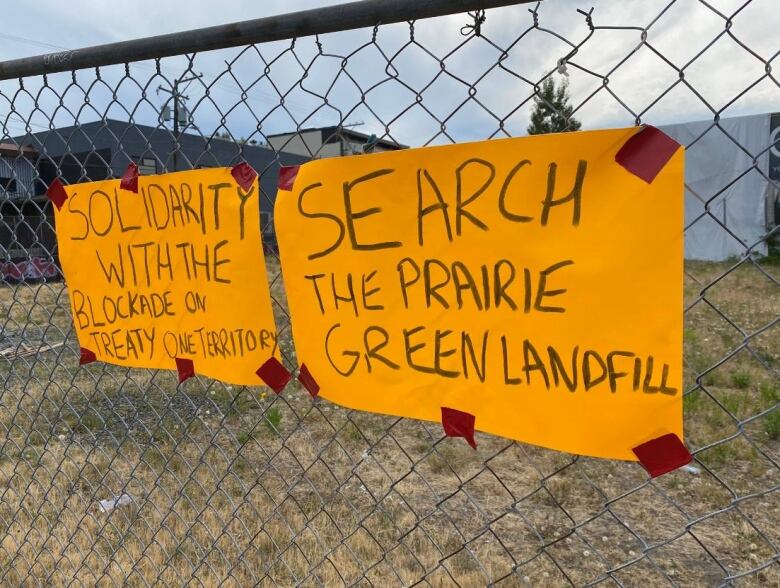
x=419 y=85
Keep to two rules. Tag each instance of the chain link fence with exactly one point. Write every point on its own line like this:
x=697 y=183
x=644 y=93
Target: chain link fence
x=113 y=476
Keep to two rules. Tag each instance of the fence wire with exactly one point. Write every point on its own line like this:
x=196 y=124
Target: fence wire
x=113 y=476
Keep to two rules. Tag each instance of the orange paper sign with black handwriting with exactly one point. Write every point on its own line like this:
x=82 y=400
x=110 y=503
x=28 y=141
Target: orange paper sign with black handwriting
x=533 y=282
x=174 y=271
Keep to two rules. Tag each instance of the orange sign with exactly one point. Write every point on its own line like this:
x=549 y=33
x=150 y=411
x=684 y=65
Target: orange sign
x=532 y=282
x=175 y=270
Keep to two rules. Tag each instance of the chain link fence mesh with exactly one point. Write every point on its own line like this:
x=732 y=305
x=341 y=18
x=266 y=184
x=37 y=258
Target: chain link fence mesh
x=113 y=476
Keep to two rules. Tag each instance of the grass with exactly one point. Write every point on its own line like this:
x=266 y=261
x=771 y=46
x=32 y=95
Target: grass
x=273 y=419
x=233 y=488
x=771 y=425
x=740 y=380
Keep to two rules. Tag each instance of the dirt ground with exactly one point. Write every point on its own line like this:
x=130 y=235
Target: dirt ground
x=237 y=486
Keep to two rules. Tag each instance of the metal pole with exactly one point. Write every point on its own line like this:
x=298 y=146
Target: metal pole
x=175 y=95
x=352 y=15
x=176 y=125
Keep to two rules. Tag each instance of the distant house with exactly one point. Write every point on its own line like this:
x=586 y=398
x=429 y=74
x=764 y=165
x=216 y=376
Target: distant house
x=330 y=142
x=103 y=149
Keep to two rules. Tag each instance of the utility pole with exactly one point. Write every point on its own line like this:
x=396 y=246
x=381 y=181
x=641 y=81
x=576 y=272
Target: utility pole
x=177 y=98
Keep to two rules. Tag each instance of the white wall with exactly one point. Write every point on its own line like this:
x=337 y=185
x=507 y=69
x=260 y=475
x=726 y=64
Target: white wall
x=725 y=196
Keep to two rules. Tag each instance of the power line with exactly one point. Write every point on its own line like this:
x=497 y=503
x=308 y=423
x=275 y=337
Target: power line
x=221 y=84
x=23 y=122
x=31 y=41
x=212 y=78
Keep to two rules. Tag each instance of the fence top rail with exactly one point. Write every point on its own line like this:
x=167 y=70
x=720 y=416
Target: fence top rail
x=341 y=17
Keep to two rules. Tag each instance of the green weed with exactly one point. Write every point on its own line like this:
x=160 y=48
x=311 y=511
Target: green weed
x=771 y=424
x=718 y=455
x=692 y=402
x=90 y=422
x=710 y=378
x=769 y=393
x=733 y=404
x=740 y=380
x=273 y=418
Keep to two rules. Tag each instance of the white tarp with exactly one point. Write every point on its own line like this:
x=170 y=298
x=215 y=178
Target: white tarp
x=725 y=210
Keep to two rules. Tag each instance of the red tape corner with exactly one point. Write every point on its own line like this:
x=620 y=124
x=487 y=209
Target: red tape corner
x=457 y=423
x=274 y=374
x=287 y=175
x=130 y=178
x=646 y=153
x=308 y=381
x=244 y=174
x=185 y=367
x=86 y=356
x=56 y=193
x=662 y=454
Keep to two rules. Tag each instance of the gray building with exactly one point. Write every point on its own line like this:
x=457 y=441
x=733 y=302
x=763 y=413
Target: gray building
x=103 y=149
x=26 y=231
x=17 y=170
x=322 y=142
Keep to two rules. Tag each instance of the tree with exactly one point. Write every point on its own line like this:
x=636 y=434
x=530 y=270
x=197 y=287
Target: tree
x=552 y=112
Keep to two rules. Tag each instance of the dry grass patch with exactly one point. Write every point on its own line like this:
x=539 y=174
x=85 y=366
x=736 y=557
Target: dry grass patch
x=236 y=486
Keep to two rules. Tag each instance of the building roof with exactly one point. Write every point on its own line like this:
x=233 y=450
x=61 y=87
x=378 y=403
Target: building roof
x=103 y=148
x=339 y=131
x=128 y=140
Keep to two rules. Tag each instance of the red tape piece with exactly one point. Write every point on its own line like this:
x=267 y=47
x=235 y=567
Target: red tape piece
x=86 y=356
x=185 y=367
x=245 y=175
x=308 y=381
x=274 y=374
x=130 y=178
x=458 y=424
x=662 y=455
x=56 y=193
x=287 y=175
x=646 y=153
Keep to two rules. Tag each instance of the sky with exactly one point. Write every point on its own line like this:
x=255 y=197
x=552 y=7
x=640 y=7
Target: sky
x=653 y=61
